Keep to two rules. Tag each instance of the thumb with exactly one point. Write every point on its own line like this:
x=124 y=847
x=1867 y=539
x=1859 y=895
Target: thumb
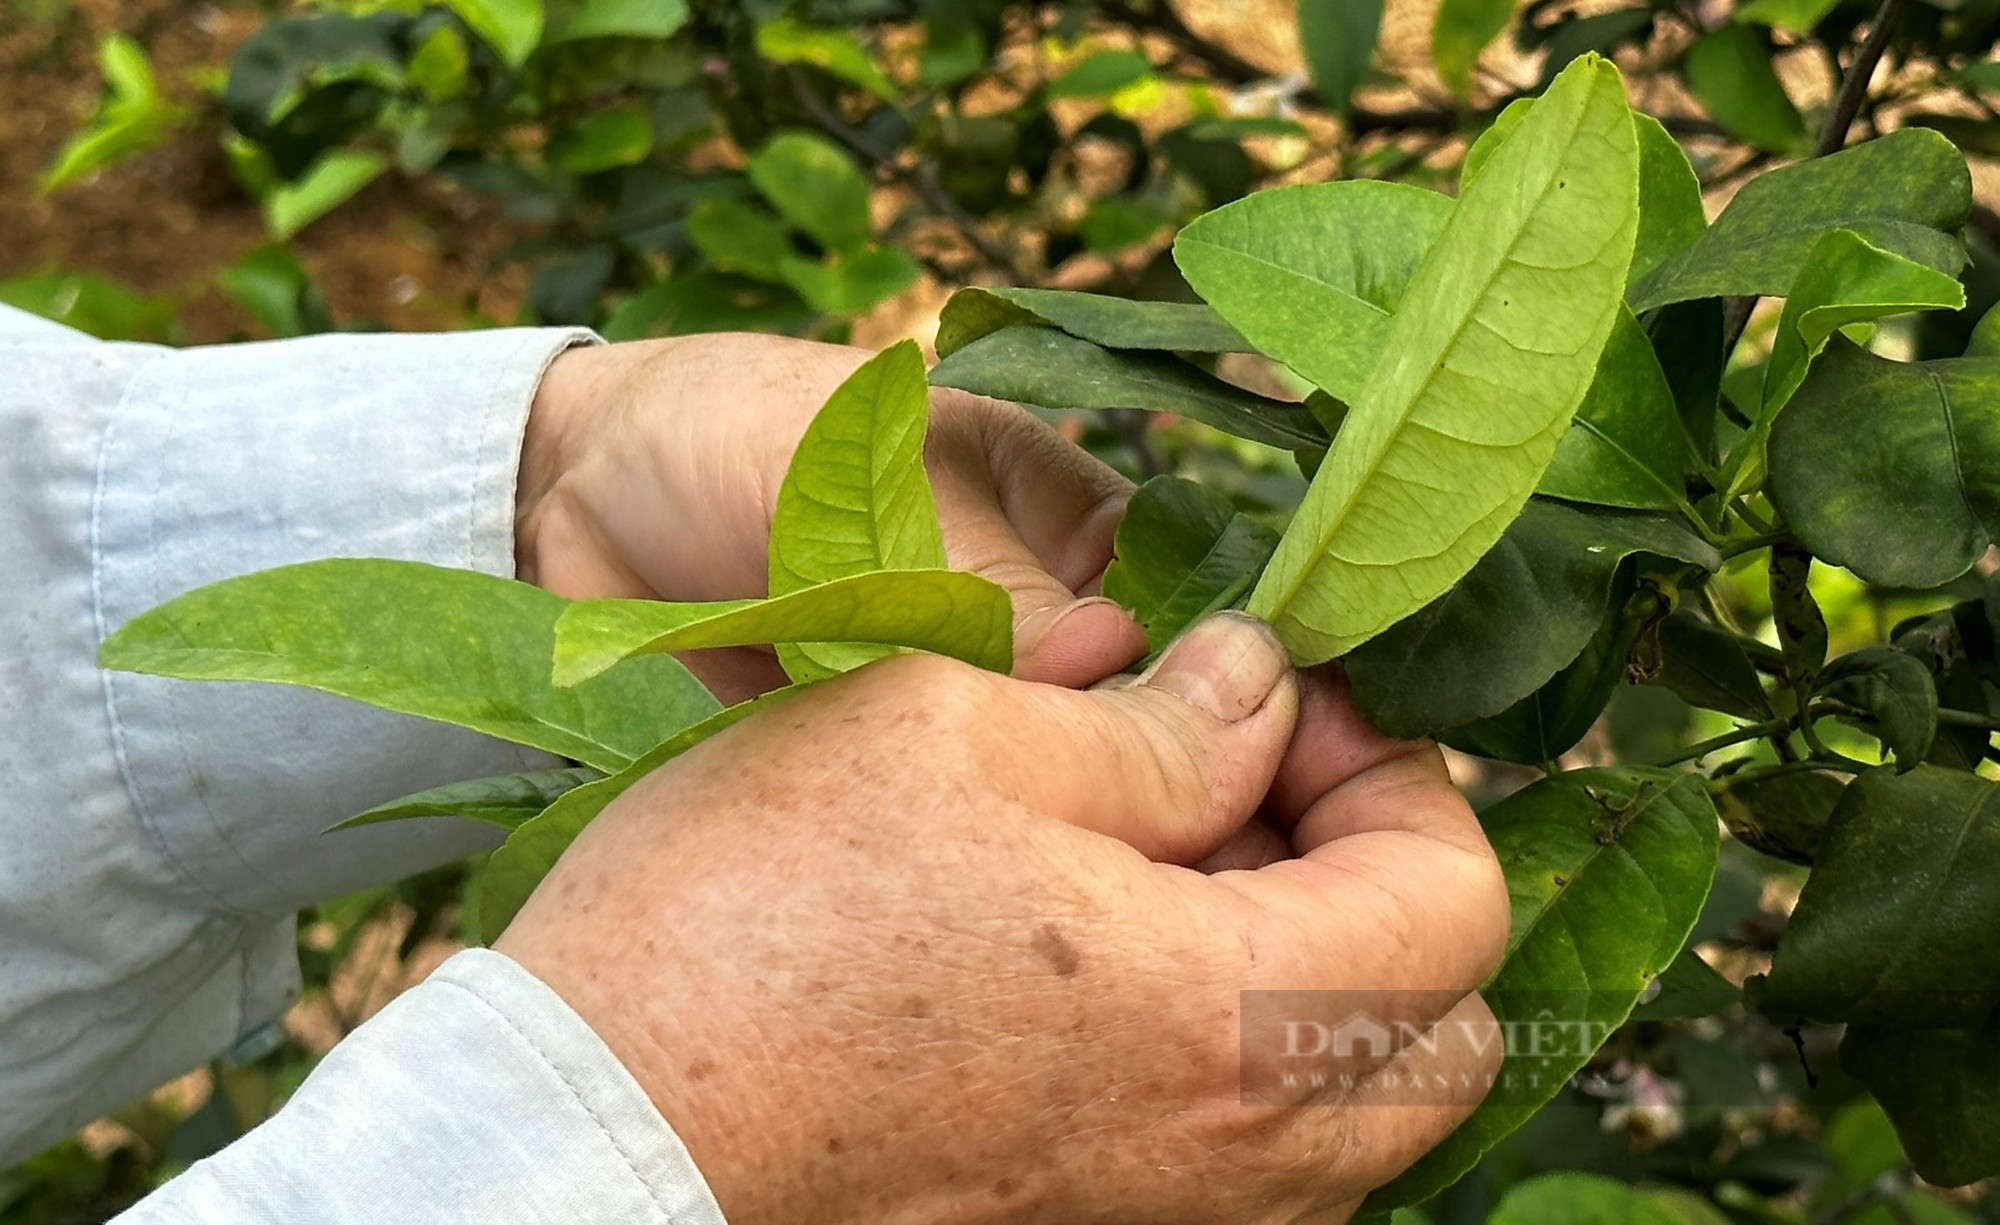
x=1176 y=761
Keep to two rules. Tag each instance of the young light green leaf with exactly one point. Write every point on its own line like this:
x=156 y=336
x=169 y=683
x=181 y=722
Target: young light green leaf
x=511 y=27
x=1890 y=469
x=1183 y=552
x=450 y=645
x=1798 y=16
x=1528 y=608
x=1311 y=274
x=944 y=611
x=856 y=498
x=1628 y=447
x=1114 y=323
x=816 y=186
x=1338 y=38
x=326 y=185
x=505 y=800
x=1042 y=366
x=623 y=19
x=786 y=41
x=1482 y=369
x=1728 y=70
x=513 y=871
x=1460 y=31
x=1908 y=192
x=1941 y=1087
x=1985 y=338
x=1607 y=870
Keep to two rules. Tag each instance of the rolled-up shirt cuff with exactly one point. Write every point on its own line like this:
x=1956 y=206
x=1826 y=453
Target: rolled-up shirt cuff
x=477 y=1096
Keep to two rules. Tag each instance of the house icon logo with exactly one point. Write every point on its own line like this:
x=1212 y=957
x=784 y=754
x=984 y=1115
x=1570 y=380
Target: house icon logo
x=1363 y=1036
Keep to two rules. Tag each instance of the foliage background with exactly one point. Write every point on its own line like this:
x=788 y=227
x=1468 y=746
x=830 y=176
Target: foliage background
x=1033 y=144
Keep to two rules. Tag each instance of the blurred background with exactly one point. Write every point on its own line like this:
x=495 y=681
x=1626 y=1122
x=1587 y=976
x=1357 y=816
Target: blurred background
x=194 y=173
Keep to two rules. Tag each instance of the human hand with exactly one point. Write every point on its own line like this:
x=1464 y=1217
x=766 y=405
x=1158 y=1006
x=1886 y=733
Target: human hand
x=651 y=470
x=965 y=982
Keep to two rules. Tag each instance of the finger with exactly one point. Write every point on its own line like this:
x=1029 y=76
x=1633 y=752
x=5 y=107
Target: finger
x=1172 y=764
x=1407 y=1107
x=1395 y=890
x=1332 y=745
x=1248 y=849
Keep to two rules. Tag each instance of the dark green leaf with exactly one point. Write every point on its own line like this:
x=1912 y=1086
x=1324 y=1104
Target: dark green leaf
x=567 y=291
x=1687 y=339
x=1894 y=691
x=1908 y=192
x=1338 y=37
x=506 y=800
x=1100 y=73
x=1895 y=925
x=1708 y=667
x=1603 y=33
x=1627 y=447
x=1985 y=339
x=1607 y=870
x=532 y=849
x=1795 y=611
x=1781 y=815
x=1525 y=610
x=1687 y=989
x=1889 y=469
x=1037 y=365
x=1311 y=274
x=1729 y=72
x=1183 y=552
x=856 y=498
x=1114 y=323
x=1460 y=31
x=1482 y=369
x=441 y=644
x=945 y=611
x=1941 y=1087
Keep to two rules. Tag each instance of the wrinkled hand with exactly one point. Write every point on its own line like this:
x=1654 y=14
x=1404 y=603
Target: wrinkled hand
x=651 y=470
x=964 y=981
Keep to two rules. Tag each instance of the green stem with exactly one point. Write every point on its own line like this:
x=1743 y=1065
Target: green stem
x=1755 y=731
x=1750 y=544
x=1967 y=718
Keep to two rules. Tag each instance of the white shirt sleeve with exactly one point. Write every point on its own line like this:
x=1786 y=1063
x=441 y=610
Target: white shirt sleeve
x=158 y=835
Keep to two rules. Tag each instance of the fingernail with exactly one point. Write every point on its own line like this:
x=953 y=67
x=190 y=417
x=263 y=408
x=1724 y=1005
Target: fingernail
x=1227 y=666
x=1039 y=624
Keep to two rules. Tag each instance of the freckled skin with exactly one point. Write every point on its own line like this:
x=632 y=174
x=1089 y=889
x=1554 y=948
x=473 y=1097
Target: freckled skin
x=970 y=981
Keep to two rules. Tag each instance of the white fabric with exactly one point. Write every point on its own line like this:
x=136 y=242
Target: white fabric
x=157 y=836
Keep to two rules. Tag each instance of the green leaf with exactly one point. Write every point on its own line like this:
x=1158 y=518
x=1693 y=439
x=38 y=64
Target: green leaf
x=102 y=307
x=1890 y=469
x=1907 y=192
x=1894 y=692
x=1114 y=323
x=786 y=41
x=623 y=19
x=1482 y=369
x=1607 y=870
x=127 y=74
x=451 y=645
x=272 y=286
x=1895 y=924
x=1311 y=274
x=1524 y=611
x=1571 y=1198
x=520 y=863
x=1941 y=1087
x=602 y=140
x=1985 y=338
x=856 y=498
x=1729 y=72
x=441 y=64
x=1798 y=16
x=1981 y=76
x=1687 y=989
x=1782 y=815
x=1042 y=366
x=1627 y=447
x=850 y=282
x=1548 y=722
x=1671 y=218
x=1460 y=31
x=816 y=186
x=511 y=27
x=506 y=800
x=944 y=611
x=1182 y=552
x=1338 y=37
x=740 y=237
x=1101 y=73
x=1708 y=667
x=330 y=182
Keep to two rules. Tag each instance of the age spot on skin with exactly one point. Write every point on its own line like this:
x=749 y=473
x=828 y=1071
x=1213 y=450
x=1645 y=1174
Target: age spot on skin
x=1057 y=950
